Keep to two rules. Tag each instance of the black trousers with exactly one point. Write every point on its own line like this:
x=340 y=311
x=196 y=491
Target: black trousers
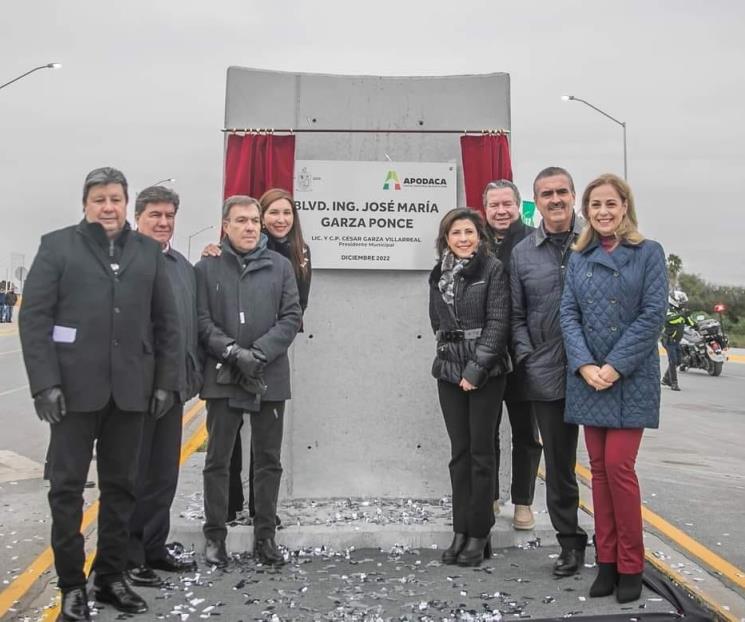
x=223 y=423
x=562 y=492
x=470 y=419
x=526 y=452
x=117 y=436
x=235 y=487
x=157 y=478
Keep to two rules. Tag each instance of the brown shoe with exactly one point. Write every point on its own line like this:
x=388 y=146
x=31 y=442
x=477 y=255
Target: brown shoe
x=523 y=519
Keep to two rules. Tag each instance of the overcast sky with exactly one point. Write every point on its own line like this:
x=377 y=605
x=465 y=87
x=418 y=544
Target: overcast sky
x=143 y=87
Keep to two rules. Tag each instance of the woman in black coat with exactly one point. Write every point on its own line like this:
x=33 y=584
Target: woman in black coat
x=469 y=310
x=281 y=223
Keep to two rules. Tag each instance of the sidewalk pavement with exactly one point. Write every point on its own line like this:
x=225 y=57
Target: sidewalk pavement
x=373 y=559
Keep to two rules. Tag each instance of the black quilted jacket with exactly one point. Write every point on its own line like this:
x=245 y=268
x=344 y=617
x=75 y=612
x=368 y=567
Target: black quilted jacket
x=482 y=300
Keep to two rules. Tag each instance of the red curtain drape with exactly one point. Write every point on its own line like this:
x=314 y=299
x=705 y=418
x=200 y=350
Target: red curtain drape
x=486 y=158
x=256 y=162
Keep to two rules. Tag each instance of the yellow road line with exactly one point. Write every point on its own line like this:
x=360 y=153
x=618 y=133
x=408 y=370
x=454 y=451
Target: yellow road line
x=41 y=564
x=709 y=557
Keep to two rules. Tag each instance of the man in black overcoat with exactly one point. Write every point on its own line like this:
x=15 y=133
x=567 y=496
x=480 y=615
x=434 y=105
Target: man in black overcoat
x=101 y=346
x=502 y=210
x=155 y=215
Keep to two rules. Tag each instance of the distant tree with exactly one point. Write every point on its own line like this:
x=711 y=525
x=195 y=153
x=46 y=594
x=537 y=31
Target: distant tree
x=702 y=296
x=674 y=268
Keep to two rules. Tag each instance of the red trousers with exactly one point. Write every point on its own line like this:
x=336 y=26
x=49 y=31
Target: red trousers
x=616 y=497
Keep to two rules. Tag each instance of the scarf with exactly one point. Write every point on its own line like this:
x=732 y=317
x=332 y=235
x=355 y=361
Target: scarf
x=450 y=267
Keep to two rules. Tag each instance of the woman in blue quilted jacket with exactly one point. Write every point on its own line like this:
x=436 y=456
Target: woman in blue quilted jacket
x=612 y=312
x=469 y=307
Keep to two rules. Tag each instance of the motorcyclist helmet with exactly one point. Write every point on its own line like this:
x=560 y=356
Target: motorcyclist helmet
x=678 y=299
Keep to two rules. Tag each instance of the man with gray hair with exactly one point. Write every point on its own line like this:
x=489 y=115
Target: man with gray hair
x=502 y=209
x=249 y=313
x=537 y=272
x=99 y=333
x=155 y=216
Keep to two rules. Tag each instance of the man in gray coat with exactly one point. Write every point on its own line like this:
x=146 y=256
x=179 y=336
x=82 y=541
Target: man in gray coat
x=100 y=341
x=248 y=314
x=536 y=282
x=155 y=215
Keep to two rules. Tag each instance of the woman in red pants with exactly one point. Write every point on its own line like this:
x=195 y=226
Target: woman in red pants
x=612 y=313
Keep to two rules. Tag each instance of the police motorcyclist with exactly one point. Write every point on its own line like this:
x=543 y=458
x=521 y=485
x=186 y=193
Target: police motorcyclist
x=675 y=322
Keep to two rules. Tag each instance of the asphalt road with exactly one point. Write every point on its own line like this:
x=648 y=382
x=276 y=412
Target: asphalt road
x=692 y=470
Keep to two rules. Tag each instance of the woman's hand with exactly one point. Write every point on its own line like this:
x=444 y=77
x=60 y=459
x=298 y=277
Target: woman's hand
x=211 y=250
x=608 y=372
x=592 y=376
x=466 y=386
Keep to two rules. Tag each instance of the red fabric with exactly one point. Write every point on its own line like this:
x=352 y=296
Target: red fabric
x=256 y=162
x=616 y=497
x=485 y=158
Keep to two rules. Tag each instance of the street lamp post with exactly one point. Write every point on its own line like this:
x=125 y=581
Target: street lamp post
x=170 y=180
x=568 y=98
x=30 y=71
x=193 y=235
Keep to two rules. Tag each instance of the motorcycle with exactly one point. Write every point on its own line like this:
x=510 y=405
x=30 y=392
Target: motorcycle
x=703 y=347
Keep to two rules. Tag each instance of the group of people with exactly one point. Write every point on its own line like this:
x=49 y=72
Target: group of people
x=8 y=300
x=119 y=331
x=561 y=322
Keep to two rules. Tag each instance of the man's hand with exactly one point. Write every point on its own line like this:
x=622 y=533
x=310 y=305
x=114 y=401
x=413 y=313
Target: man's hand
x=161 y=402
x=591 y=375
x=211 y=250
x=250 y=362
x=466 y=386
x=50 y=405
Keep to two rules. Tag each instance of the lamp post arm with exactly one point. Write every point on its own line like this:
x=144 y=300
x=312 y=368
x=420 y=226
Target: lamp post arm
x=605 y=114
x=23 y=75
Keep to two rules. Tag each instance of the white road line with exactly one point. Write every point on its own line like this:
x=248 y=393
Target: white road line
x=11 y=352
x=9 y=391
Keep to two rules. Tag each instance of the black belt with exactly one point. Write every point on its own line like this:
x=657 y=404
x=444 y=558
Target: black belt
x=458 y=335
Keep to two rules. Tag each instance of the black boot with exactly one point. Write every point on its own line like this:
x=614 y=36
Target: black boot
x=475 y=551
x=74 y=605
x=569 y=562
x=666 y=377
x=450 y=555
x=215 y=553
x=115 y=591
x=629 y=587
x=605 y=582
x=266 y=552
x=674 y=378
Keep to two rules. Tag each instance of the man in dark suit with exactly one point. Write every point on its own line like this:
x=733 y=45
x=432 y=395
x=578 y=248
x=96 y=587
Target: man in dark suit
x=155 y=216
x=502 y=209
x=100 y=341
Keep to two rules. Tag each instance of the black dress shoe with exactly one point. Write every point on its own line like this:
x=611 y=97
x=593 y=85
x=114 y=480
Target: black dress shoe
x=116 y=592
x=569 y=563
x=450 y=554
x=74 y=606
x=215 y=553
x=143 y=577
x=267 y=552
x=171 y=563
x=475 y=551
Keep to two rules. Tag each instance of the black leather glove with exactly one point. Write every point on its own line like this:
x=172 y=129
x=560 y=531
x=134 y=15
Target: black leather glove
x=250 y=362
x=161 y=402
x=50 y=405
